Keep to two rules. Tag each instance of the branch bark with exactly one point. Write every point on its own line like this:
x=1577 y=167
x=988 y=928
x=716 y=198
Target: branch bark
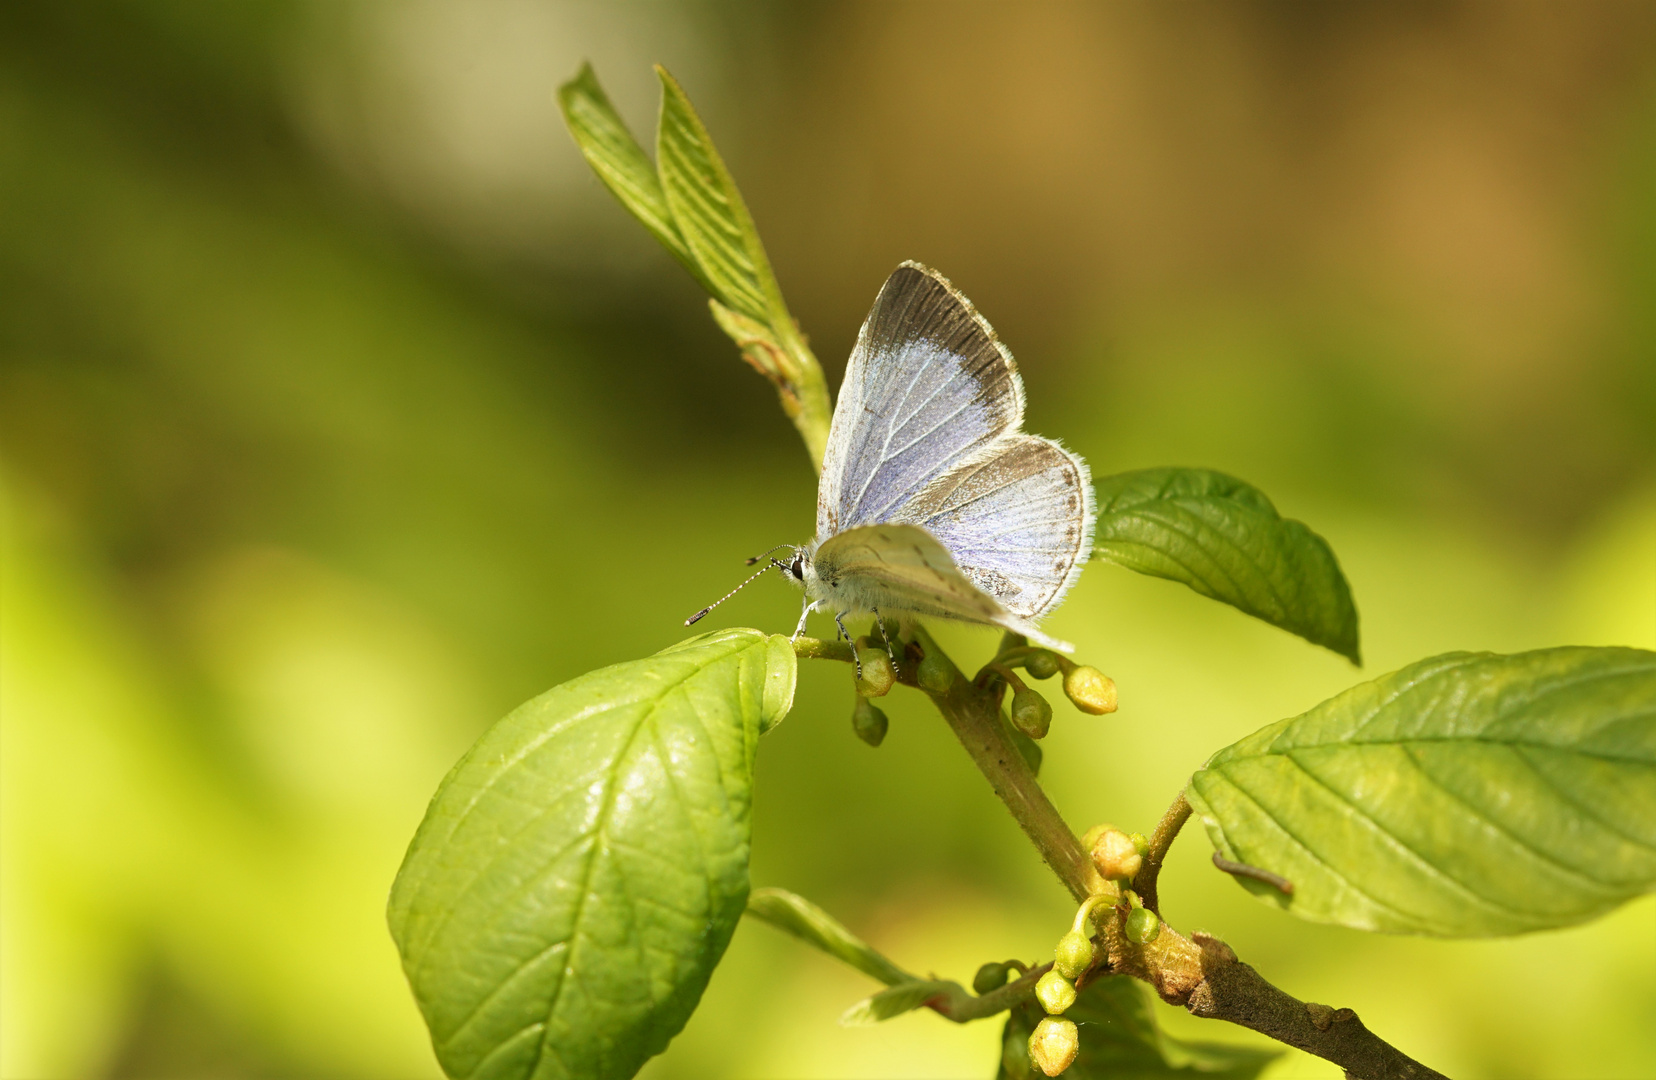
x=1202 y=973
x=1167 y=829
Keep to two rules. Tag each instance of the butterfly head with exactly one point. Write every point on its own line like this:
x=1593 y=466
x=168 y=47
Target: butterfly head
x=795 y=566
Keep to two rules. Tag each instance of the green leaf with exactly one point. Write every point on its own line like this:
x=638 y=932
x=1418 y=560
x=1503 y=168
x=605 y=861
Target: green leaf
x=621 y=163
x=1224 y=539
x=804 y=920
x=580 y=871
x=1465 y=795
x=902 y=998
x=1121 y=1041
x=711 y=215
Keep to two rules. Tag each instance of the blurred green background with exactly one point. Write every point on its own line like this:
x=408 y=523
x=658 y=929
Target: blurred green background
x=341 y=410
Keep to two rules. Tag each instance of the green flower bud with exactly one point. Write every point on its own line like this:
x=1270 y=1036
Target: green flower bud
x=1143 y=926
x=991 y=976
x=1054 y=992
x=1042 y=665
x=877 y=673
x=1091 y=690
x=869 y=723
x=1030 y=713
x=1053 y=1045
x=1141 y=843
x=935 y=674
x=1074 y=955
x=1115 y=855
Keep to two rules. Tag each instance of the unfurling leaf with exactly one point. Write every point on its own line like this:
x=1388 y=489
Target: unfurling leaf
x=1119 y=1038
x=1224 y=539
x=902 y=998
x=580 y=871
x=1463 y=796
x=711 y=215
x=621 y=163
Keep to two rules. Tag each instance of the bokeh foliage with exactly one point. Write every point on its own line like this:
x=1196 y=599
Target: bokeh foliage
x=310 y=474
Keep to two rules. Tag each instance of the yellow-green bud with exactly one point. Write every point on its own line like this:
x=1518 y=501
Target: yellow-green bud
x=1073 y=955
x=1042 y=665
x=1115 y=855
x=1141 y=843
x=1090 y=837
x=1053 y=1045
x=991 y=976
x=1054 y=992
x=1143 y=926
x=869 y=722
x=877 y=674
x=935 y=674
x=1030 y=713
x=1091 y=690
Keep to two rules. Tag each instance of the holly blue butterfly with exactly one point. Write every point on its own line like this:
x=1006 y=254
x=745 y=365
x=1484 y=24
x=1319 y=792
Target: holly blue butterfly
x=932 y=501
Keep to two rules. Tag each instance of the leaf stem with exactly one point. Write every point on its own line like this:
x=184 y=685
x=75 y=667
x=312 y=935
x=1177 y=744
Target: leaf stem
x=1167 y=830
x=973 y=714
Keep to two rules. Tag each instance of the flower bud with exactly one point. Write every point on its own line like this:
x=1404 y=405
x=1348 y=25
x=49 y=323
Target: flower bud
x=1054 y=992
x=1053 y=1045
x=991 y=976
x=935 y=674
x=1141 y=843
x=1115 y=856
x=1042 y=665
x=1091 y=690
x=869 y=723
x=877 y=674
x=1143 y=926
x=1074 y=954
x=1030 y=713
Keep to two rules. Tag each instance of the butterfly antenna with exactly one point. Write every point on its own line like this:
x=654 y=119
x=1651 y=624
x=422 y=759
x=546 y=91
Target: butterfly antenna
x=692 y=620
x=762 y=555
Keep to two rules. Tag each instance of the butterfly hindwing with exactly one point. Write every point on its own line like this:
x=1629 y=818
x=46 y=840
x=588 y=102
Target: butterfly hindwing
x=1017 y=519
x=904 y=568
x=928 y=387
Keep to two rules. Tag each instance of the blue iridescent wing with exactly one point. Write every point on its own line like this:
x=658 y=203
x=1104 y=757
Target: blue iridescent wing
x=928 y=388
x=1017 y=518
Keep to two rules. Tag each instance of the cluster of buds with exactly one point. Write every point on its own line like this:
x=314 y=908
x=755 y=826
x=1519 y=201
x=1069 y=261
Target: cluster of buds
x=1055 y=1041
x=1118 y=856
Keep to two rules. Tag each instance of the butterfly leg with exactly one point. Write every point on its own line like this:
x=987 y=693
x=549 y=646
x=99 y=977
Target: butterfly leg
x=887 y=637
x=810 y=606
x=856 y=657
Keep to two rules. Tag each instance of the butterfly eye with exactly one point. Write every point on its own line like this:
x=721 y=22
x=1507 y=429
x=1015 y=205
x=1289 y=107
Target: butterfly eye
x=797 y=567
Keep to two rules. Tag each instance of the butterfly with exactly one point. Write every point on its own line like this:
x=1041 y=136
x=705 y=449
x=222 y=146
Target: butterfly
x=932 y=501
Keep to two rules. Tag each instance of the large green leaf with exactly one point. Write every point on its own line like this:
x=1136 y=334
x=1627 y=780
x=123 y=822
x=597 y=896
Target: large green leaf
x=1121 y=1041
x=621 y=163
x=580 y=871
x=1465 y=795
x=711 y=215
x=1224 y=539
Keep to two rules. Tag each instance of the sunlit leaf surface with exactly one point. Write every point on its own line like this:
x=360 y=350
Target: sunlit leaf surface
x=580 y=871
x=1224 y=539
x=1466 y=795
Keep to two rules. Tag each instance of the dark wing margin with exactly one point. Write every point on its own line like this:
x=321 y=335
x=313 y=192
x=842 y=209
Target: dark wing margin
x=928 y=386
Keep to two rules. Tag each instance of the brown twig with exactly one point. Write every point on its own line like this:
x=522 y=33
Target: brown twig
x=1167 y=829
x=1200 y=972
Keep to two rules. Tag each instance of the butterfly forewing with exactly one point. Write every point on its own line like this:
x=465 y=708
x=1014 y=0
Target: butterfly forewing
x=928 y=387
x=1017 y=519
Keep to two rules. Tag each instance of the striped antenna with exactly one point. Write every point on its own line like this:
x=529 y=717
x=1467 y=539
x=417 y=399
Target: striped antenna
x=692 y=620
